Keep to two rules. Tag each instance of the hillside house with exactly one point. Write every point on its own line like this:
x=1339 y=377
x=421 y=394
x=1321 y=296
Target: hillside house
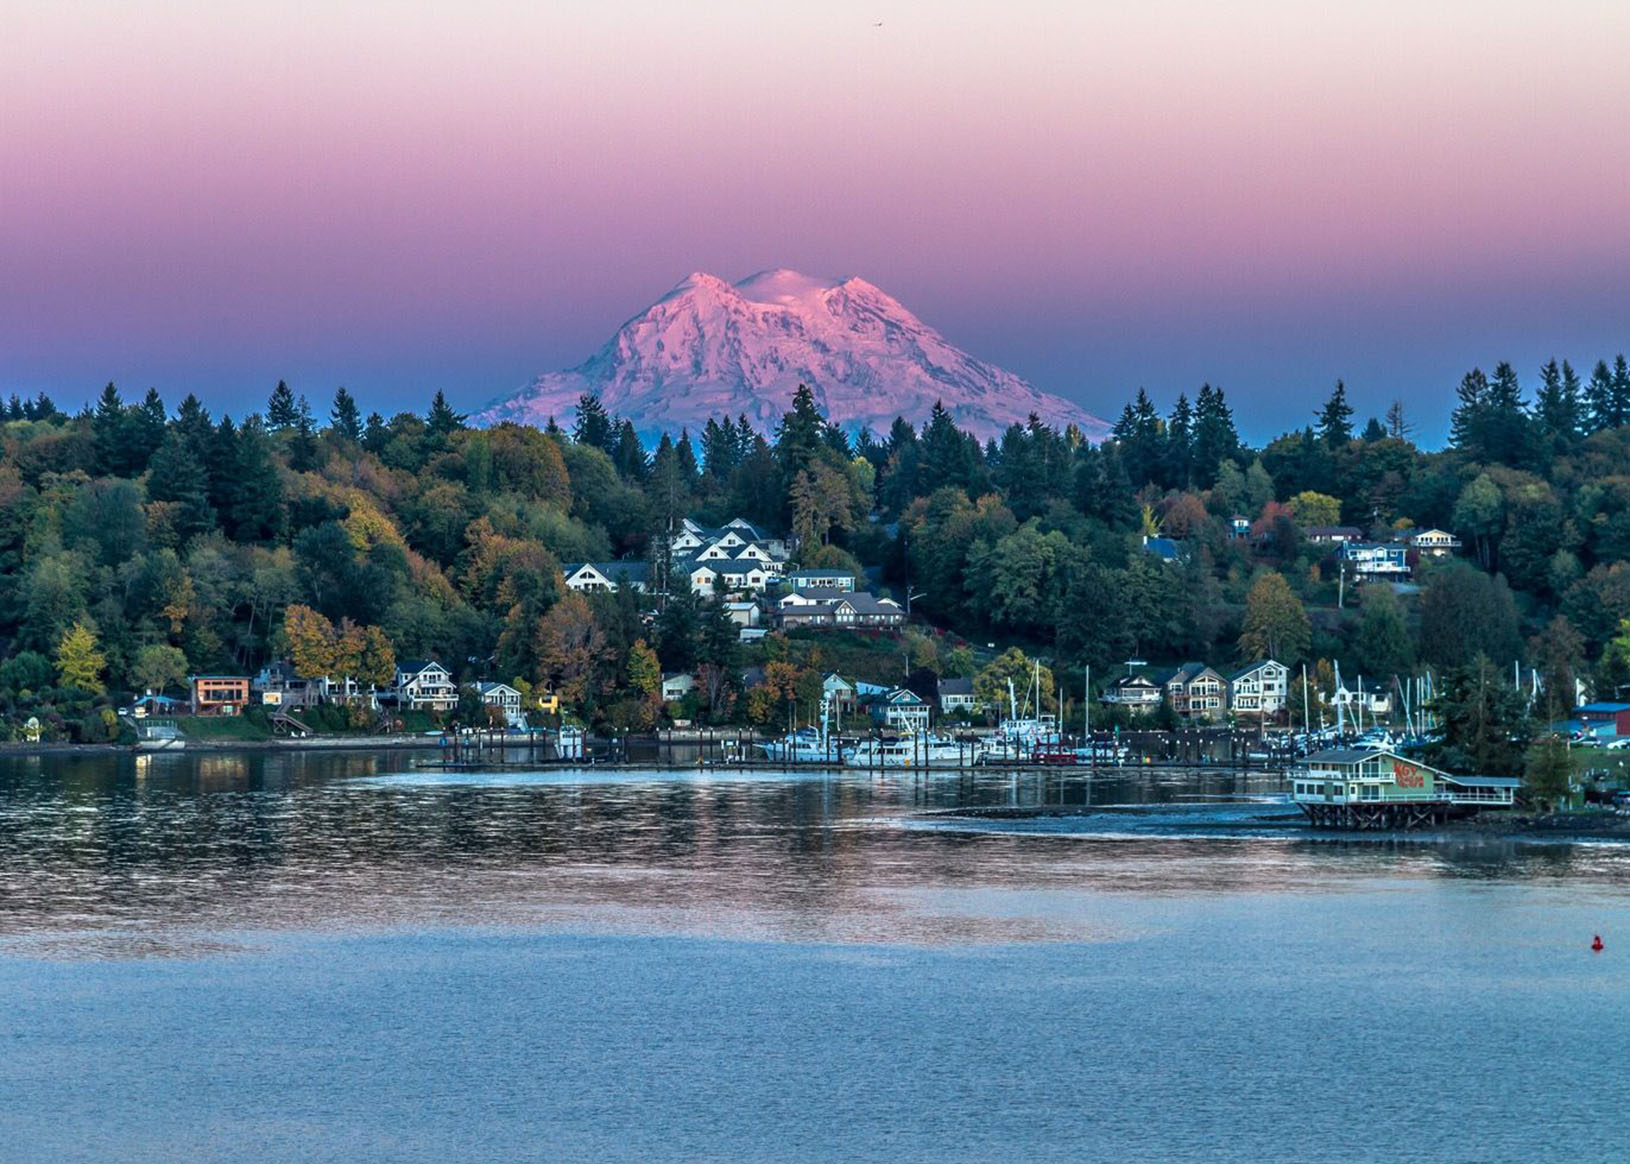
x=604 y=576
x=1388 y=560
x=858 y=610
x=1196 y=692
x=1260 y=690
x=1137 y=694
x=1332 y=535
x=1431 y=543
x=677 y=685
x=956 y=695
x=818 y=580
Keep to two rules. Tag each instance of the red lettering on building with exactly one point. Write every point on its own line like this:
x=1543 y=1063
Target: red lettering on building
x=1407 y=775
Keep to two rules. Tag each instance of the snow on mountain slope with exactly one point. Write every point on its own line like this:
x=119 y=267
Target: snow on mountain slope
x=709 y=349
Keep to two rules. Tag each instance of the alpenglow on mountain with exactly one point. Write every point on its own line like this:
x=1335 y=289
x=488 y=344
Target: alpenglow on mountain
x=710 y=348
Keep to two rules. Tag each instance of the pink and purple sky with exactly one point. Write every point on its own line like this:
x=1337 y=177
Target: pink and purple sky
x=400 y=196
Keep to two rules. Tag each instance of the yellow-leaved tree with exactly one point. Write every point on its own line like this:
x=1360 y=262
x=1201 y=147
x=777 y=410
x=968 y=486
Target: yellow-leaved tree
x=79 y=663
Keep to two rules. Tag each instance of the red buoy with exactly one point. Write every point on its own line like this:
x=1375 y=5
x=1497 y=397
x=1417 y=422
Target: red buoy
x=1596 y=943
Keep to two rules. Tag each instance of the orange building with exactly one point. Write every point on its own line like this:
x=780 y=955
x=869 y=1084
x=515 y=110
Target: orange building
x=219 y=694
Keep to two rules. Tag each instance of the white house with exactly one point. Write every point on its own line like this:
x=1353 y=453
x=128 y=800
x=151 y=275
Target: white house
x=957 y=695
x=424 y=685
x=585 y=576
x=743 y=614
x=1434 y=543
x=840 y=580
x=1138 y=694
x=1366 y=695
x=900 y=709
x=1261 y=689
x=677 y=685
x=1377 y=559
x=506 y=699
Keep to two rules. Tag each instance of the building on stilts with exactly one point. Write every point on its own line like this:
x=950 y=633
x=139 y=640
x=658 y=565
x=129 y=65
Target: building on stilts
x=1373 y=788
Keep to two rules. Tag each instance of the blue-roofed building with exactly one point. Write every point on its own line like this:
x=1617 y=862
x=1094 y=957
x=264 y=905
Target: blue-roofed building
x=1166 y=549
x=1605 y=718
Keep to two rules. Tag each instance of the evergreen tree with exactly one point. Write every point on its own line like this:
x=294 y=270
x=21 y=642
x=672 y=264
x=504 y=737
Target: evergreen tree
x=144 y=430
x=689 y=474
x=345 y=418
x=375 y=434
x=1142 y=438
x=1468 y=424
x=304 y=454
x=443 y=422
x=1215 y=438
x=1180 y=445
x=1621 y=389
x=1398 y=427
x=255 y=510
x=1485 y=721
x=800 y=436
x=109 y=430
x=1383 y=645
x=1601 y=402
x=630 y=454
x=1336 y=419
x=593 y=427
x=1556 y=405
x=282 y=412
x=1374 y=431
x=947 y=457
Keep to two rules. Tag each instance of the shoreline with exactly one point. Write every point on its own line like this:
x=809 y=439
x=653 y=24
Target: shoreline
x=305 y=743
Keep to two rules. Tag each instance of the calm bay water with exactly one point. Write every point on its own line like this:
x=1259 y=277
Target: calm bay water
x=323 y=957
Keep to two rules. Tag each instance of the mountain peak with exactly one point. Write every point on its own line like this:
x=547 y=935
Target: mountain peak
x=710 y=348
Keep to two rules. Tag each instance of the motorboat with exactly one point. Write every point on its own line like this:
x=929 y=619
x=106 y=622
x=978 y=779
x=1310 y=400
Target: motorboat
x=921 y=750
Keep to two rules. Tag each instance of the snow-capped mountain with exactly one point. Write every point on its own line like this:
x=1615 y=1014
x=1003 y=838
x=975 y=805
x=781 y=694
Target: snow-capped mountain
x=709 y=348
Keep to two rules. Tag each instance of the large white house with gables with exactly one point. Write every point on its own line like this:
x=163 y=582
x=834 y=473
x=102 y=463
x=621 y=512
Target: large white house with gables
x=591 y=576
x=736 y=558
x=1260 y=690
x=424 y=685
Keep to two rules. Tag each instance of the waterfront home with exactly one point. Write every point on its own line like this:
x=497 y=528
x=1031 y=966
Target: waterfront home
x=1259 y=690
x=506 y=699
x=838 y=692
x=956 y=694
x=424 y=685
x=1363 y=788
x=277 y=685
x=219 y=694
x=1377 y=559
x=901 y=709
x=1195 y=691
x=822 y=580
x=1137 y=694
x=590 y=576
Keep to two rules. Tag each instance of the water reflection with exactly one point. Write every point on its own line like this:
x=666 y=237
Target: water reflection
x=157 y=848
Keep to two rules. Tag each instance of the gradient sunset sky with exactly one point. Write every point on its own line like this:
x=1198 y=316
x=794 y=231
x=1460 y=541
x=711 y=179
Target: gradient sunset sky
x=401 y=196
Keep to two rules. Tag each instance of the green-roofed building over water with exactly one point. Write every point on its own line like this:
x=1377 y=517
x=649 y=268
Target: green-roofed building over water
x=1372 y=788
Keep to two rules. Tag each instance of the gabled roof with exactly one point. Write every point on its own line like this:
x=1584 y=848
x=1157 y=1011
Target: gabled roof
x=1256 y=666
x=635 y=570
x=415 y=666
x=821 y=574
x=488 y=686
x=1168 y=549
x=960 y=686
x=1188 y=673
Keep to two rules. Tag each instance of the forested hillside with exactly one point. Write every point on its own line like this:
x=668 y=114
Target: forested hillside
x=140 y=544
